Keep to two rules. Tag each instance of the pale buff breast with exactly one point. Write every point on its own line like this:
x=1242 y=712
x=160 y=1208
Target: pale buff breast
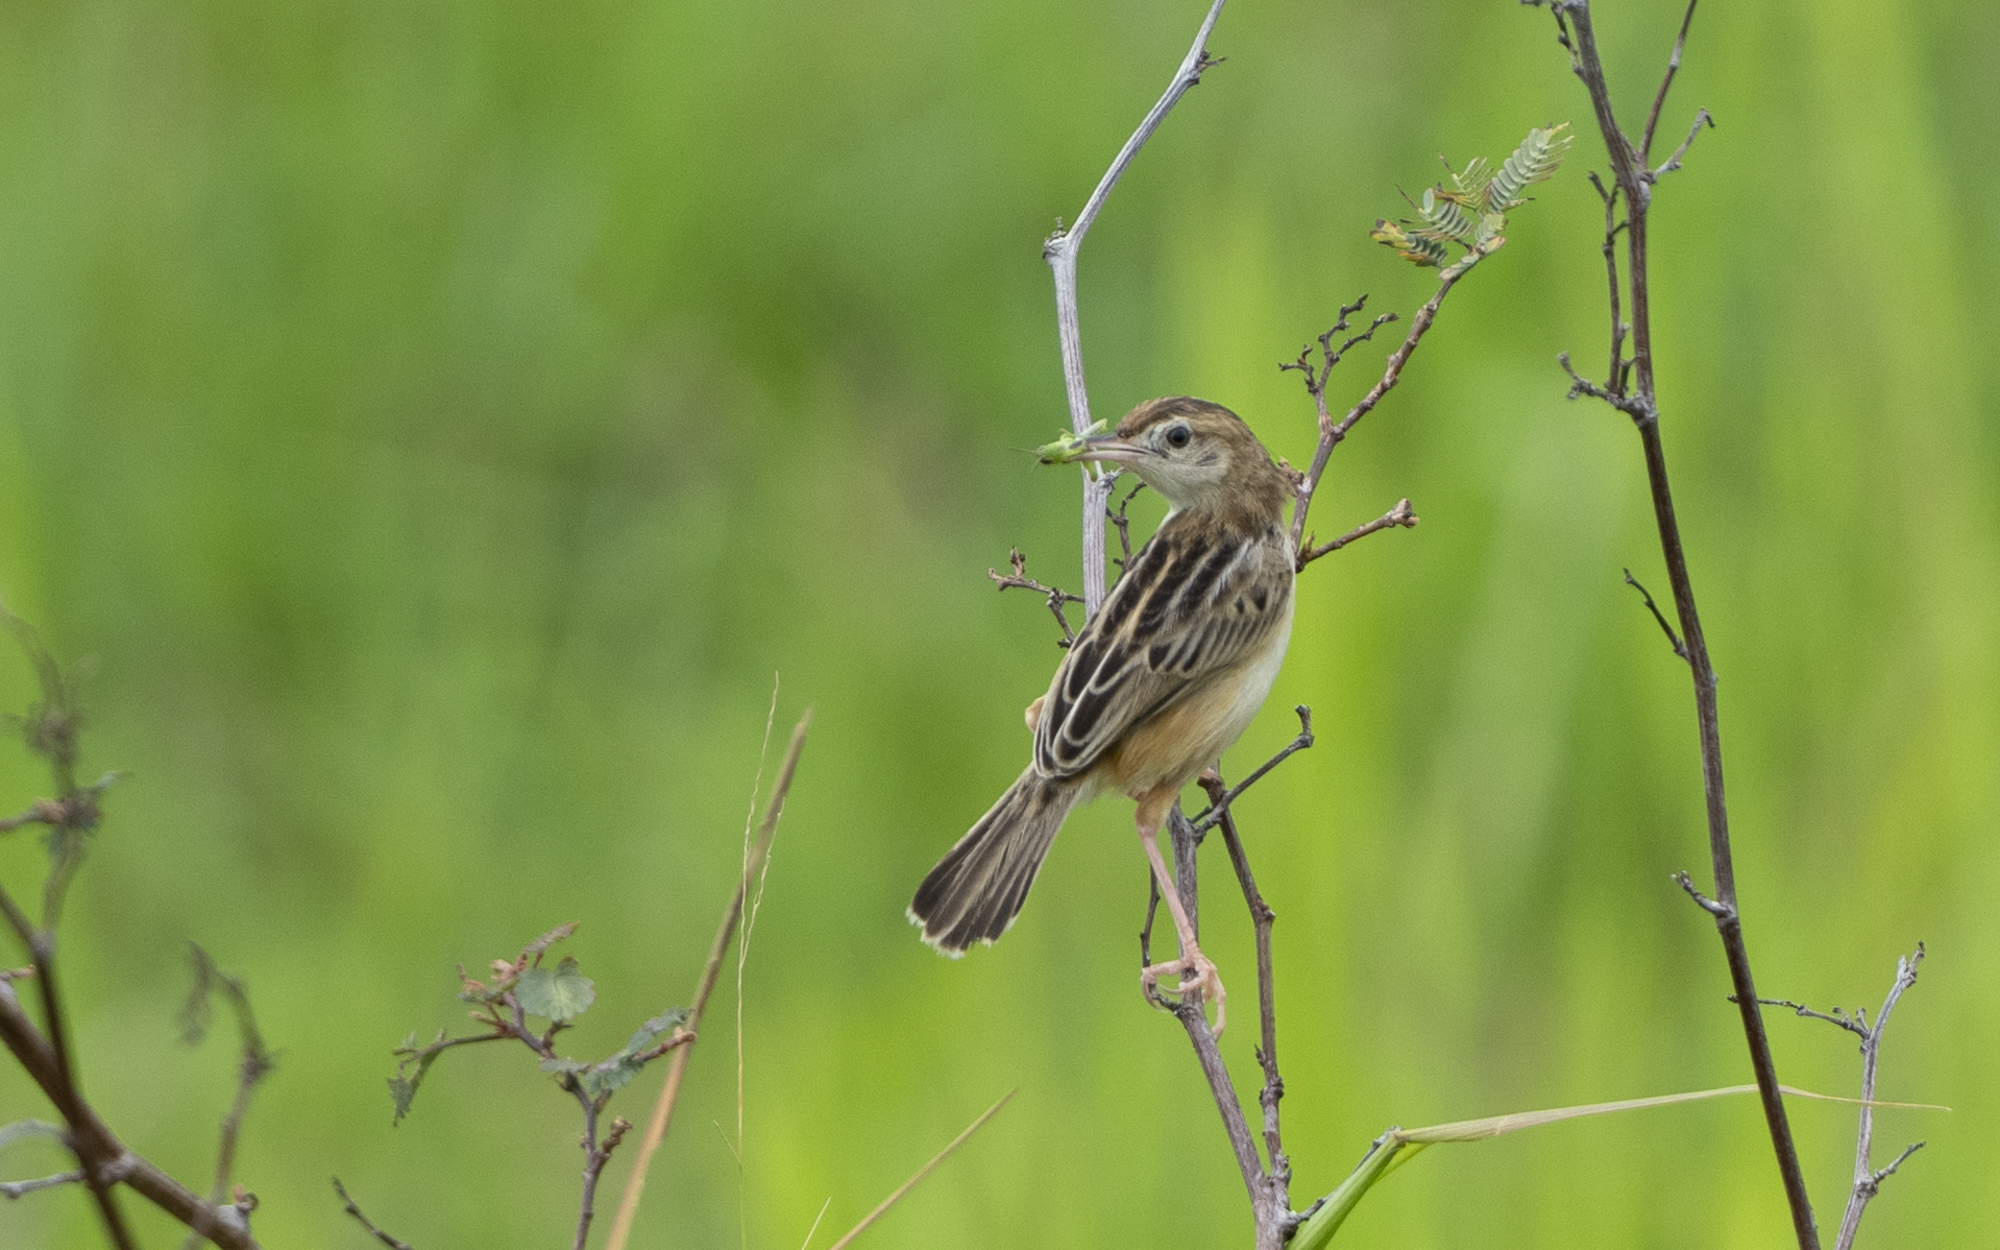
x=1169 y=749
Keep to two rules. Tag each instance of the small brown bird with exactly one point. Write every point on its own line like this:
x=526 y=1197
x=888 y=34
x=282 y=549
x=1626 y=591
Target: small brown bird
x=1168 y=673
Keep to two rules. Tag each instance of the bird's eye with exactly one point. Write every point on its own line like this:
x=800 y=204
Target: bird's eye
x=1178 y=436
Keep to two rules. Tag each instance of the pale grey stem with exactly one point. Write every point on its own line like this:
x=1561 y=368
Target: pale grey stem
x=1060 y=251
x=1866 y=1179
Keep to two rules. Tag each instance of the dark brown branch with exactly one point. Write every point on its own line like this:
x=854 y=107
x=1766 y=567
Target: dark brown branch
x=1278 y=1176
x=1673 y=639
x=1399 y=516
x=1634 y=181
x=354 y=1209
x=1123 y=524
x=100 y=1155
x=1331 y=433
x=1021 y=581
x=1060 y=250
x=1219 y=807
x=1615 y=376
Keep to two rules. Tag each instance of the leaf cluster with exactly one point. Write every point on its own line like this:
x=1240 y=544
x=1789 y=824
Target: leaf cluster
x=1472 y=211
x=525 y=987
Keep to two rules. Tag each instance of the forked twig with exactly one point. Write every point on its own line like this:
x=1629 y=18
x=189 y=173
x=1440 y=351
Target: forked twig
x=1060 y=251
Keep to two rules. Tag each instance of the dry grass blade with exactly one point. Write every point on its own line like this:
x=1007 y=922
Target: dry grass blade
x=924 y=1171
x=663 y=1110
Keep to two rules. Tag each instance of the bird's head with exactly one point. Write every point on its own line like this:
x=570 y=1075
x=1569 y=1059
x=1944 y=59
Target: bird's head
x=1195 y=453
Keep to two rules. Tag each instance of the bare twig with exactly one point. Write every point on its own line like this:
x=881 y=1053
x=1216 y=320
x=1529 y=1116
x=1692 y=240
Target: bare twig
x=1219 y=807
x=1060 y=250
x=256 y=1064
x=1673 y=639
x=1123 y=524
x=663 y=1109
x=1399 y=516
x=1615 y=376
x=1058 y=599
x=1867 y=1180
x=354 y=1209
x=15 y=1189
x=1278 y=1167
x=882 y=1208
x=1701 y=118
x=1635 y=182
x=1273 y=1217
x=595 y=1157
x=1666 y=83
x=1331 y=432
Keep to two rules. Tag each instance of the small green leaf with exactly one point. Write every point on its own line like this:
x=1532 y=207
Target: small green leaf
x=667 y=1021
x=560 y=994
x=403 y=1092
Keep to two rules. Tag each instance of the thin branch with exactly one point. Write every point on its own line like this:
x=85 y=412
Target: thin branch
x=1399 y=516
x=1666 y=82
x=1331 y=433
x=882 y=1208
x=1673 y=639
x=1188 y=1011
x=1060 y=250
x=256 y=1064
x=1278 y=1169
x=595 y=1157
x=15 y=1189
x=1614 y=377
x=663 y=1108
x=1057 y=598
x=1701 y=118
x=1123 y=524
x=354 y=1209
x=1219 y=807
x=1634 y=180
x=1867 y=1181
x=1837 y=1017
x=1633 y=406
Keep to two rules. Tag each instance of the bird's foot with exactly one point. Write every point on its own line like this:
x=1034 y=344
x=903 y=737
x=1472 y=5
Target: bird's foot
x=1198 y=977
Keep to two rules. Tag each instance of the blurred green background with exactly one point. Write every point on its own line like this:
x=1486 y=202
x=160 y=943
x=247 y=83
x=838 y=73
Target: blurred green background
x=441 y=420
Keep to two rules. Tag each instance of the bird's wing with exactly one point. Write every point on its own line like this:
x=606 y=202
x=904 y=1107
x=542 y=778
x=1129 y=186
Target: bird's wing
x=1195 y=599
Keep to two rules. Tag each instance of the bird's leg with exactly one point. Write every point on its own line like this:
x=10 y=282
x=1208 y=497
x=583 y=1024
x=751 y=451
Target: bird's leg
x=1196 y=970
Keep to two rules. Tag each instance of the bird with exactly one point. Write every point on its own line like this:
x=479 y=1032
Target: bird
x=1164 y=678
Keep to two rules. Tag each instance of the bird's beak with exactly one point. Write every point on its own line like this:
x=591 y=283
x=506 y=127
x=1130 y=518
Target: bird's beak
x=1107 y=447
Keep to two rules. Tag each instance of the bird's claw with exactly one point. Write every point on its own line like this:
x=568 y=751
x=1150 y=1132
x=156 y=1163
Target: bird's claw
x=1198 y=976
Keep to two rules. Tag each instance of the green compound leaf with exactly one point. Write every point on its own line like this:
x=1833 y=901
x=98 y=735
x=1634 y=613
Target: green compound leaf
x=1472 y=212
x=561 y=993
x=1414 y=248
x=1536 y=160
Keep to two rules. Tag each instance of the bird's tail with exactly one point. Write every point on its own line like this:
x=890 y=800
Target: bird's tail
x=977 y=889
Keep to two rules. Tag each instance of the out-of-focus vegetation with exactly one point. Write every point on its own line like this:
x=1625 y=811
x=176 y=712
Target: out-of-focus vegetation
x=440 y=420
